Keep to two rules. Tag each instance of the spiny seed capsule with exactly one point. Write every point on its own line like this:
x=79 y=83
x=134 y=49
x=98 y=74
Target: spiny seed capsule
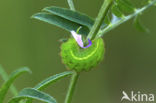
x=82 y=59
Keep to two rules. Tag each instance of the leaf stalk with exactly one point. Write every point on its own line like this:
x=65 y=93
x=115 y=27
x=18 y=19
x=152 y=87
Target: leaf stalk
x=71 y=4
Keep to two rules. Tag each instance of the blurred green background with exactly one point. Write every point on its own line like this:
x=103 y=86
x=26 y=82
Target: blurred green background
x=129 y=62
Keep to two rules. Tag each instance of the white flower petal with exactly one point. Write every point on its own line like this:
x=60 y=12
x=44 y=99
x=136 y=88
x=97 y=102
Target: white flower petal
x=78 y=38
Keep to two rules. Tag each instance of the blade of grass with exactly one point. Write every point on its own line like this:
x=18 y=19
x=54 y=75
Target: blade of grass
x=5 y=87
x=5 y=77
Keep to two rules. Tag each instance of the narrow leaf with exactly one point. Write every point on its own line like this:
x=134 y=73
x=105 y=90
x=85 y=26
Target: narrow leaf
x=71 y=15
x=4 y=88
x=107 y=19
x=119 y=21
x=139 y=25
x=30 y=93
x=61 y=22
x=5 y=77
x=52 y=79
x=116 y=11
x=125 y=6
x=45 y=83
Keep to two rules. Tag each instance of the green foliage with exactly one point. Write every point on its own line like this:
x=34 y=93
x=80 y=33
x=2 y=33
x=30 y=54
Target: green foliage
x=66 y=19
x=119 y=16
x=73 y=57
x=5 y=77
x=122 y=11
x=52 y=80
x=116 y=11
x=74 y=16
x=60 y=22
x=45 y=83
x=139 y=25
x=4 y=88
x=107 y=19
x=125 y=6
x=30 y=93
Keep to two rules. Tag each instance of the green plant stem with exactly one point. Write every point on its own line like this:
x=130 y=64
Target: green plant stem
x=72 y=86
x=124 y=19
x=5 y=78
x=71 y=4
x=100 y=18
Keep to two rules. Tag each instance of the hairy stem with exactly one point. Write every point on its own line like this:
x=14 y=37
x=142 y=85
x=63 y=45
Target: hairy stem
x=72 y=86
x=5 y=78
x=100 y=18
x=71 y=4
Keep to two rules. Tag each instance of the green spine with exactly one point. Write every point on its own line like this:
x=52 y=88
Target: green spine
x=79 y=59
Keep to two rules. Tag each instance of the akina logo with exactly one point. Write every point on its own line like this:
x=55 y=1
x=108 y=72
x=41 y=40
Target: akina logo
x=137 y=97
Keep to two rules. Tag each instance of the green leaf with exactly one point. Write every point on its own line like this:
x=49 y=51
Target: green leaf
x=71 y=15
x=5 y=77
x=61 y=22
x=107 y=19
x=139 y=25
x=4 y=88
x=119 y=21
x=52 y=79
x=45 y=83
x=125 y=6
x=30 y=93
x=3 y=74
x=116 y=11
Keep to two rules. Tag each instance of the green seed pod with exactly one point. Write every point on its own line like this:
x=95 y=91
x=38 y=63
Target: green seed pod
x=80 y=59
